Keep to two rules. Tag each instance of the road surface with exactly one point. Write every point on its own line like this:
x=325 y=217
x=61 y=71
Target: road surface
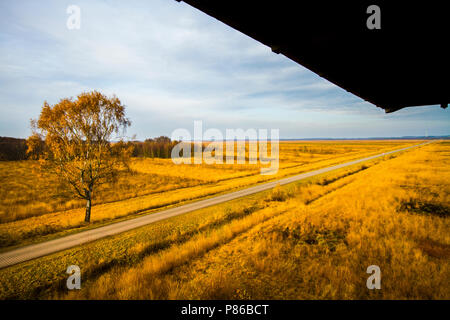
x=34 y=251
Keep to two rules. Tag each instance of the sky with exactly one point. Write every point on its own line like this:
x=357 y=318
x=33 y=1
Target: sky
x=171 y=64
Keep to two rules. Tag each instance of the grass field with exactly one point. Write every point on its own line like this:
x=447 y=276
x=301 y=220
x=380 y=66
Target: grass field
x=33 y=207
x=312 y=239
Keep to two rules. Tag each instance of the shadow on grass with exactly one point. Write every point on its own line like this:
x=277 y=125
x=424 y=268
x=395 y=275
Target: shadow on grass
x=428 y=208
x=434 y=249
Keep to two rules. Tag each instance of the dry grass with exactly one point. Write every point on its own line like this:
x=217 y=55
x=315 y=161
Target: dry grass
x=47 y=274
x=33 y=207
x=293 y=250
x=308 y=240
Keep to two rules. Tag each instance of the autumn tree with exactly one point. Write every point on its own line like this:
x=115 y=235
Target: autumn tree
x=78 y=142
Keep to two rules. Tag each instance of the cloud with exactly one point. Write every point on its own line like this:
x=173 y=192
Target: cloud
x=172 y=64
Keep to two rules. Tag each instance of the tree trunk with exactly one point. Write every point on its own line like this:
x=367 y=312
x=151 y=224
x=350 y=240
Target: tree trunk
x=87 y=218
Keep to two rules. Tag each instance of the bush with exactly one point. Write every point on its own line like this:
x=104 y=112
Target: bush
x=278 y=194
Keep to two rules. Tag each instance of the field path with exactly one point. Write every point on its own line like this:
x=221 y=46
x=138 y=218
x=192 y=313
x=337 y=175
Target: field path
x=34 y=251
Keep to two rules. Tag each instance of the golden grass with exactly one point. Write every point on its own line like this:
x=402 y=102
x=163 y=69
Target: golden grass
x=47 y=274
x=318 y=251
x=32 y=207
x=308 y=240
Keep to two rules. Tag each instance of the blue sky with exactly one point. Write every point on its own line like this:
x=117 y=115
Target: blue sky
x=171 y=64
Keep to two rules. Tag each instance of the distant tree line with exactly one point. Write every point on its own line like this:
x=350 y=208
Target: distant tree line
x=12 y=149
x=160 y=147
x=16 y=149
